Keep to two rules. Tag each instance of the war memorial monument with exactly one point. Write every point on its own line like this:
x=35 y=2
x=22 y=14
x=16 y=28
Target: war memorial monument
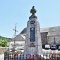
x=33 y=44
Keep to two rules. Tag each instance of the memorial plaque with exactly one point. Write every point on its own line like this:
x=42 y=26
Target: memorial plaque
x=32 y=34
x=32 y=45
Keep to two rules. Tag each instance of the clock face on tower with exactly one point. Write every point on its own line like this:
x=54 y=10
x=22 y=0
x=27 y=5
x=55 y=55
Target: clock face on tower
x=32 y=34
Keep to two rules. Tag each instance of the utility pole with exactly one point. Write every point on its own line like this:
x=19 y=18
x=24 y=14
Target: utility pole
x=15 y=31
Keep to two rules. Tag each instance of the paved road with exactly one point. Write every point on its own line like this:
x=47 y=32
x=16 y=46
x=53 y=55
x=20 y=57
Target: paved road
x=2 y=57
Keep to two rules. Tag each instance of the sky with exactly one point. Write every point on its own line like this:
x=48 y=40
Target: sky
x=18 y=11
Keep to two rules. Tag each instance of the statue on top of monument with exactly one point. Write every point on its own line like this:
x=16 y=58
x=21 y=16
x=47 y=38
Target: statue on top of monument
x=33 y=11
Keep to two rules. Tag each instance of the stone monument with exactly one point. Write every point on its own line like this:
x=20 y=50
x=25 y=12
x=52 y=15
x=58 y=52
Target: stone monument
x=33 y=44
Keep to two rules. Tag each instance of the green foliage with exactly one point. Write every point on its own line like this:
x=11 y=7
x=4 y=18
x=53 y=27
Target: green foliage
x=3 y=41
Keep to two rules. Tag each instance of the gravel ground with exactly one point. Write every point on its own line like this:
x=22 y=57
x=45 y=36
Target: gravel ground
x=2 y=57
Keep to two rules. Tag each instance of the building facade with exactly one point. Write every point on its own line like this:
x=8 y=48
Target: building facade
x=48 y=34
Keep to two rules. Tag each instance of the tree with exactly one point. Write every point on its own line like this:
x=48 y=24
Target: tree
x=3 y=43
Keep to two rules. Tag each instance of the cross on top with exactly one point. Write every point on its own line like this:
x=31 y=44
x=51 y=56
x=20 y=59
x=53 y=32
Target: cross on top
x=15 y=30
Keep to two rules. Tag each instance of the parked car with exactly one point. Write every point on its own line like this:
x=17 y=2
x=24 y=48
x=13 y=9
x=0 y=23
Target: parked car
x=59 y=48
x=53 y=47
x=47 y=46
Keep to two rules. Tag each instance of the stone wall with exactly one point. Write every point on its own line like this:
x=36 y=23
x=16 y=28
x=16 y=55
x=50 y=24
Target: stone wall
x=44 y=37
x=54 y=32
x=3 y=49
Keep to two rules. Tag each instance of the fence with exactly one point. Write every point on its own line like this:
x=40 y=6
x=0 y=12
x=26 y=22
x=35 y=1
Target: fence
x=8 y=56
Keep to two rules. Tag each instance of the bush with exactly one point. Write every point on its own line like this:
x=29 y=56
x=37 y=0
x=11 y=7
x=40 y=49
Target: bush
x=3 y=43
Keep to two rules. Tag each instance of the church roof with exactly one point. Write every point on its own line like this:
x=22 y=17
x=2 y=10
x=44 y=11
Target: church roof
x=41 y=30
x=23 y=31
x=19 y=37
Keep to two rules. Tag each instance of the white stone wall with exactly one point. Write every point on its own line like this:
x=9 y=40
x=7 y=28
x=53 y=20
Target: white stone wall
x=19 y=44
x=54 y=32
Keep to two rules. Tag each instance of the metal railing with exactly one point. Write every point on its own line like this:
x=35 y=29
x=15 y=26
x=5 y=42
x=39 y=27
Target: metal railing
x=8 y=56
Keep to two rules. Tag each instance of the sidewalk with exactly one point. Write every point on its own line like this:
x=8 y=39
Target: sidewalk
x=2 y=57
